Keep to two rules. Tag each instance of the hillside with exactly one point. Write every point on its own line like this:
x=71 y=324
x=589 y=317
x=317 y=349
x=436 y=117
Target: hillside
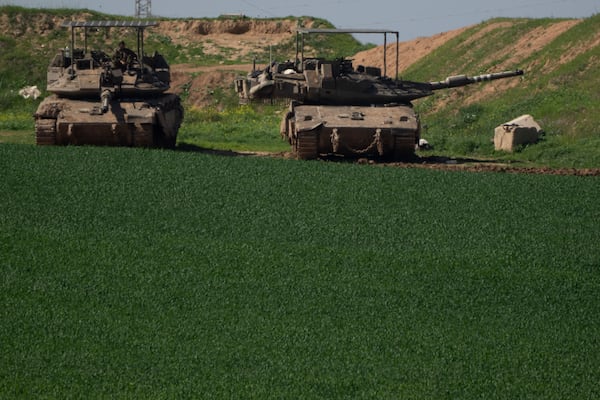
x=560 y=89
x=561 y=58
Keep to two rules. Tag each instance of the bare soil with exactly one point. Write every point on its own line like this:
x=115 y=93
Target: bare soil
x=202 y=82
x=425 y=162
x=410 y=51
x=242 y=36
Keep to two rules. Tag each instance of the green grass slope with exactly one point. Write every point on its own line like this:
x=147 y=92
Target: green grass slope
x=157 y=274
x=560 y=89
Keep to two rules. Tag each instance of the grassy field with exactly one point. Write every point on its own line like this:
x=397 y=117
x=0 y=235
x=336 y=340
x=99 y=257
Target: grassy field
x=245 y=128
x=162 y=274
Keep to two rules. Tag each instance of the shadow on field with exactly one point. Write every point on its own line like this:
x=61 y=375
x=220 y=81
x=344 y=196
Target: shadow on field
x=192 y=148
x=453 y=160
x=412 y=160
x=465 y=164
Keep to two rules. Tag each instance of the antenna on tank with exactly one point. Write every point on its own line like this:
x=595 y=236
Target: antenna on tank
x=143 y=8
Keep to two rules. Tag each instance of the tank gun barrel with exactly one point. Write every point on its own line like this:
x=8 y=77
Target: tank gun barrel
x=105 y=97
x=464 y=80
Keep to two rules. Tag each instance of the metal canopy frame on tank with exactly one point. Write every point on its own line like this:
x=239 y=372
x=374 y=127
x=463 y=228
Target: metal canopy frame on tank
x=139 y=26
x=303 y=31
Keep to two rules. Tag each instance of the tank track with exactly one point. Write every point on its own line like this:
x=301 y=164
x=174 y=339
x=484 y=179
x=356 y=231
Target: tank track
x=307 y=146
x=162 y=138
x=163 y=134
x=403 y=147
x=143 y=136
x=45 y=131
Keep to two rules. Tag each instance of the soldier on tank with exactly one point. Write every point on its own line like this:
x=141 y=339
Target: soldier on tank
x=124 y=57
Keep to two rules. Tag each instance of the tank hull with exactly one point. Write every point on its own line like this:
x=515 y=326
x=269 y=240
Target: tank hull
x=152 y=122
x=355 y=131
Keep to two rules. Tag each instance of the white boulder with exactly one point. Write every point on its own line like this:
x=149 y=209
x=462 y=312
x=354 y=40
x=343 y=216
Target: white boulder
x=521 y=130
x=30 y=91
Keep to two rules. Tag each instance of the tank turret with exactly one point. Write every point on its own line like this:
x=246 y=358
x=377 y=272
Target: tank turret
x=342 y=109
x=337 y=82
x=108 y=100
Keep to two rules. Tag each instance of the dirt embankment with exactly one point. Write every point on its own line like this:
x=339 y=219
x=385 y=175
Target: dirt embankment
x=39 y=27
x=239 y=37
x=427 y=162
x=410 y=51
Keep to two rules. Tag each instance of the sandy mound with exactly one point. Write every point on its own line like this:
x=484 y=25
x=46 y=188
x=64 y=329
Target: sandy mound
x=243 y=36
x=410 y=52
x=42 y=25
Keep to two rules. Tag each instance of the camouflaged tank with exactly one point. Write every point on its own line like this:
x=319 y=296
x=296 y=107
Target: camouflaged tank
x=100 y=100
x=339 y=109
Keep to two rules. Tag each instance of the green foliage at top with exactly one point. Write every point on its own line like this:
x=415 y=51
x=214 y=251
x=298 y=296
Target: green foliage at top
x=321 y=45
x=25 y=53
x=17 y=13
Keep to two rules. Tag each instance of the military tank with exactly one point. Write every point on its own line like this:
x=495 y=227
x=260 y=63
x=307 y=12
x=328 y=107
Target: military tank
x=100 y=100
x=336 y=108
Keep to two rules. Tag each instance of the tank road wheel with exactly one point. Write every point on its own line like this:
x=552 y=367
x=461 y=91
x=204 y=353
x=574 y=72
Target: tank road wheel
x=307 y=146
x=404 y=146
x=169 y=115
x=143 y=135
x=171 y=141
x=45 y=131
x=168 y=143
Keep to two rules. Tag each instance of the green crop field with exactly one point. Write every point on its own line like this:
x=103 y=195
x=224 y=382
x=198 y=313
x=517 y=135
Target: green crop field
x=129 y=273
